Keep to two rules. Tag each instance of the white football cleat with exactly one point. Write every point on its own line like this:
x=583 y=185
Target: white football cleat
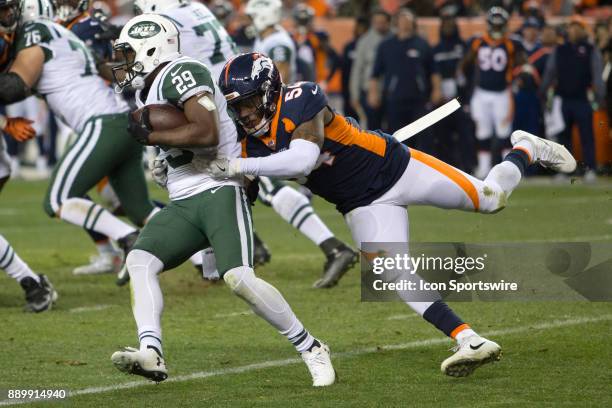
x=469 y=355
x=318 y=361
x=547 y=153
x=98 y=264
x=146 y=363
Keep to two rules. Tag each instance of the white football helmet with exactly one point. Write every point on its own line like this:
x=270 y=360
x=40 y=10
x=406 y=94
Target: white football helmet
x=155 y=6
x=36 y=9
x=264 y=13
x=145 y=42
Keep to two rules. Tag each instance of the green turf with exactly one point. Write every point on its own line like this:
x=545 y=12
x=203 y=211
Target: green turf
x=204 y=331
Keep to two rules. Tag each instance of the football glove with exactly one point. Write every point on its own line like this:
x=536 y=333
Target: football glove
x=224 y=168
x=140 y=129
x=159 y=171
x=252 y=189
x=18 y=128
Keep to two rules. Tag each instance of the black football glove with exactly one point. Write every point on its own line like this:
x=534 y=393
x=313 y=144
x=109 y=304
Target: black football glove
x=140 y=129
x=252 y=190
x=109 y=32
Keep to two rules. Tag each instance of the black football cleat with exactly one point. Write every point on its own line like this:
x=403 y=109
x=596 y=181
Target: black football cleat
x=261 y=253
x=339 y=261
x=39 y=296
x=125 y=243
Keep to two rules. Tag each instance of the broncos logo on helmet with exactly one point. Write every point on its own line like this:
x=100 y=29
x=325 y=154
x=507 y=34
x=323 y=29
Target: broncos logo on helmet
x=251 y=79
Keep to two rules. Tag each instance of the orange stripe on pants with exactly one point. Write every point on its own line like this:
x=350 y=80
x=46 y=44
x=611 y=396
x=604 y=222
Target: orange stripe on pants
x=449 y=171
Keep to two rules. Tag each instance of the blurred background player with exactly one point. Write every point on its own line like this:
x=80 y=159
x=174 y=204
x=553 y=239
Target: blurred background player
x=293 y=206
x=573 y=68
x=494 y=56
x=313 y=47
x=348 y=57
x=39 y=292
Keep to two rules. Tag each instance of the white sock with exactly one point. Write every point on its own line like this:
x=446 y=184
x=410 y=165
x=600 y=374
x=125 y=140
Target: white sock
x=13 y=264
x=147 y=298
x=464 y=334
x=295 y=208
x=506 y=175
x=89 y=215
x=267 y=302
x=484 y=161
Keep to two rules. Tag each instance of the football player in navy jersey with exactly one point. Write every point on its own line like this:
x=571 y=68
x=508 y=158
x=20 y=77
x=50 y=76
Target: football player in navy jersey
x=494 y=56
x=289 y=131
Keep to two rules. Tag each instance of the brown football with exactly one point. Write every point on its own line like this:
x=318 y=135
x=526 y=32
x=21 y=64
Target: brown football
x=163 y=117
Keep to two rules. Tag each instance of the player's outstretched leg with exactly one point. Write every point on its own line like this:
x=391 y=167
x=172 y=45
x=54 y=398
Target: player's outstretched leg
x=39 y=292
x=267 y=302
x=294 y=207
x=148 y=304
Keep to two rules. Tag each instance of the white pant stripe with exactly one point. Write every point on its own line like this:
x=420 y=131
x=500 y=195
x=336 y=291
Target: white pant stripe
x=243 y=236
x=61 y=172
x=74 y=171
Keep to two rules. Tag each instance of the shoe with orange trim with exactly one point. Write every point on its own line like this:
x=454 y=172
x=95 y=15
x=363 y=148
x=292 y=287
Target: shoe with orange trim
x=547 y=153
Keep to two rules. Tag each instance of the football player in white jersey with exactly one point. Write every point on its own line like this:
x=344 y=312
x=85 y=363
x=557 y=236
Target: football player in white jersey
x=204 y=39
x=39 y=292
x=53 y=62
x=203 y=211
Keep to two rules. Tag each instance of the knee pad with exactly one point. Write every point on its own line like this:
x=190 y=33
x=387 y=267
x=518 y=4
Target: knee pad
x=287 y=202
x=255 y=291
x=138 y=261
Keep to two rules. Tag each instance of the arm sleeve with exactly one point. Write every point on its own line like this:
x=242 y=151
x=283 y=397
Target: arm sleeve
x=297 y=161
x=596 y=74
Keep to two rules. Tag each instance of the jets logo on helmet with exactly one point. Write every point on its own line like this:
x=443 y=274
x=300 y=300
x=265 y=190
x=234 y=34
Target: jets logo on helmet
x=144 y=29
x=146 y=42
x=251 y=80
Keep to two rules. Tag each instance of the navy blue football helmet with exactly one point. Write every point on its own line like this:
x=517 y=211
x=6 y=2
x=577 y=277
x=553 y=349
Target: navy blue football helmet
x=497 y=22
x=251 y=79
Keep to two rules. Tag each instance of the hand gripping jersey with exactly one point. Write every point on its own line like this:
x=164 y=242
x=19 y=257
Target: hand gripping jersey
x=69 y=81
x=176 y=83
x=279 y=46
x=85 y=27
x=202 y=36
x=495 y=60
x=355 y=166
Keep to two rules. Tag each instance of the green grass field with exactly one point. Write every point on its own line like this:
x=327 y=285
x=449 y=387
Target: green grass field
x=218 y=354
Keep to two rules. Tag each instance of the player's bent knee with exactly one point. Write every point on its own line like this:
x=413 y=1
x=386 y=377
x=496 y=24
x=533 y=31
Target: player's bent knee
x=492 y=199
x=139 y=261
x=255 y=291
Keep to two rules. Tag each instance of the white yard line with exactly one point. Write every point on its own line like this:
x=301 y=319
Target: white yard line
x=281 y=363
x=93 y=308
x=234 y=314
x=402 y=316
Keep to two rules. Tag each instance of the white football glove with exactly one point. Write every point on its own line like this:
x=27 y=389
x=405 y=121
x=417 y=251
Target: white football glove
x=224 y=168
x=159 y=171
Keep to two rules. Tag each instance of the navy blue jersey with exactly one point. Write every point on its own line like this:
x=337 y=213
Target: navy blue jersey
x=447 y=55
x=406 y=67
x=6 y=40
x=355 y=166
x=85 y=27
x=495 y=61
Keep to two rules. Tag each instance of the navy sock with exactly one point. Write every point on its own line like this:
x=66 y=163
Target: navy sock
x=520 y=158
x=441 y=316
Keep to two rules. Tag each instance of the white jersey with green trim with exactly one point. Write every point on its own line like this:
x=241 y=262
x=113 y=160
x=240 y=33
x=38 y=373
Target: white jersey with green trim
x=176 y=83
x=202 y=36
x=69 y=81
x=279 y=46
